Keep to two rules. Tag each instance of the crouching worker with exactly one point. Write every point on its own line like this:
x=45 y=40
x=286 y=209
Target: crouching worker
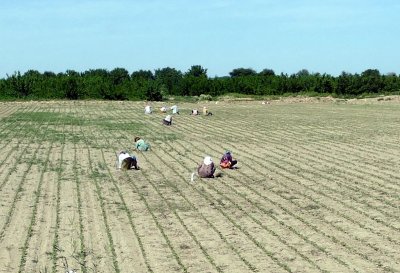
x=148 y=110
x=126 y=161
x=207 y=168
x=227 y=162
x=141 y=145
x=167 y=120
x=195 y=112
x=206 y=112
x=175 y=109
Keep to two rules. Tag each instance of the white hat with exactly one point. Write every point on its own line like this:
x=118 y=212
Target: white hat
x=207 y=160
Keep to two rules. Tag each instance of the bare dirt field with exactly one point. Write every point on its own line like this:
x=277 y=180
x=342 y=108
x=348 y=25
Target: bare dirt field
x=317 y=188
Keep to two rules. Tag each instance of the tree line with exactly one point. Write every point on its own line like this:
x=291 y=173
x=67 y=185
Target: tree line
x=119 y=84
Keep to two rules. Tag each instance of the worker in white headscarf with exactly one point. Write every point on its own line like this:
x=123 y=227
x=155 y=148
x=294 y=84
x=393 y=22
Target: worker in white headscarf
x=167 y=120
x=127 y=161
x=175 y=109
x=206 y=112
x=207 y=168
x=163 y=109
x=147 y=109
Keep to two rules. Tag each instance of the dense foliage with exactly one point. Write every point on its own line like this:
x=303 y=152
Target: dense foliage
x=118 y=84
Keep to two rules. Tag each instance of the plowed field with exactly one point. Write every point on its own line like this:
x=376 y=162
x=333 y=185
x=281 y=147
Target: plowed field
x=317 y=188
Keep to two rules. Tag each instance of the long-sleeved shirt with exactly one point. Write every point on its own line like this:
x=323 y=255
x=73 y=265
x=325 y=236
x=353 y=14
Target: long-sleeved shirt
x=206 y=171
x=141 y=145
x=121 y=158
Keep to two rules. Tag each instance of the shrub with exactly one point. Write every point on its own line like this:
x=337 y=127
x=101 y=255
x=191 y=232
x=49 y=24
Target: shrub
x=204 y=97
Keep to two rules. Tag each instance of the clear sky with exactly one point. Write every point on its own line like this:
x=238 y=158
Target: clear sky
x=325 y=36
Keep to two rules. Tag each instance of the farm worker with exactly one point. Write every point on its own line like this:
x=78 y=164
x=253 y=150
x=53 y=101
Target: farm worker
x=141 y=145
x=206 y=169
x=147 y=109
x=175 y=109
x=195 y=112
x=206 y=112
x=163 y=109
x=126 y=161
x=167 y=120
x=227 y=161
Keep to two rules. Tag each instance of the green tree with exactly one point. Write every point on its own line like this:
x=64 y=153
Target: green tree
x=195 y=82
x=142 y=74
x=196 y=71
x=371 y=81
x=303 y=73
x=71 y=88
x=343 y=83
x=18 y=85
x=324 y=84
x=153 y=92
x=96 y=87
x=391 y=82
x=170 y=78
x=267 y=72
x=242 y=72
x=119 y=76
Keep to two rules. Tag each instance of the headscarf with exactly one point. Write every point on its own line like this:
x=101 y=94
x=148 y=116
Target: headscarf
x=207 y=160
x=147 y=109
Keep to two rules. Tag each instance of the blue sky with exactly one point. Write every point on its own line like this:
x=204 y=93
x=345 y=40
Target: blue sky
x=321 y=36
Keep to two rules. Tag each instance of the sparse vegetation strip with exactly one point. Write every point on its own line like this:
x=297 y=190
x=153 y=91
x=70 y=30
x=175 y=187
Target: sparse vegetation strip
x=40 y=130
x=38 y=193
x=102 y=205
